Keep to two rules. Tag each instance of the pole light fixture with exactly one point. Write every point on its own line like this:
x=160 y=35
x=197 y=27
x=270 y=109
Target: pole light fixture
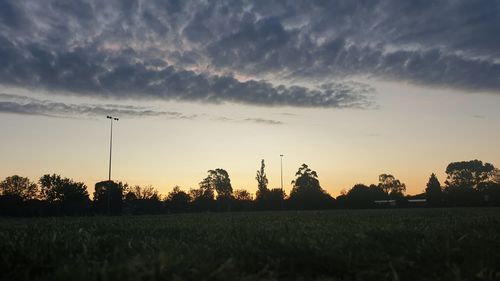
x=281 y=156
x=111 y=118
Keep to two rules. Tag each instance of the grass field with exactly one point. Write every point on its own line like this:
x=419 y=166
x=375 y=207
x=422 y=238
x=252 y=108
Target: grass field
x=404 y=244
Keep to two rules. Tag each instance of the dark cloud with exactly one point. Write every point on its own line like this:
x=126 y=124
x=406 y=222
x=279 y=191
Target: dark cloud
x=10 y=15
x=88 y=71
x=267 y=47
x=268 y=53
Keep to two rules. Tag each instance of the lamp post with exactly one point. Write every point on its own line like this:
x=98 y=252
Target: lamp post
x=282 y=190
x=281 y=156
x=111 y=118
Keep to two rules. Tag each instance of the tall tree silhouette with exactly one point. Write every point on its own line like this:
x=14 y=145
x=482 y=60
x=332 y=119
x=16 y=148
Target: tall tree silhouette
x=307 y=192
x=18 y=186
x=306 y=180
x=433 y=191
x=219 y=181
x=262 y=181
x=222 y=183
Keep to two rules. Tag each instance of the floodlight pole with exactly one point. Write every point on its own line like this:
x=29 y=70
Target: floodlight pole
x=111 y=118
x=281 y=156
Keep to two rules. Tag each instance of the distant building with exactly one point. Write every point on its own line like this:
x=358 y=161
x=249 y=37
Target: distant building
x=417 y=201
x=385 y=202
x=408 y=203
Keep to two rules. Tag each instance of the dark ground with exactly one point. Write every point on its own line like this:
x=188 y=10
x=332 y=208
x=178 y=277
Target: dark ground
x=398 y=244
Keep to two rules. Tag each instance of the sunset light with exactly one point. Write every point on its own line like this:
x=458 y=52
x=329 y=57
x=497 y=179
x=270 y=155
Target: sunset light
x=251 y=129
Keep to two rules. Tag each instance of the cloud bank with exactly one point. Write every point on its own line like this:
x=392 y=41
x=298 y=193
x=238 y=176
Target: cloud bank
x=24 y=105
x=264 y=53
x=31 y=106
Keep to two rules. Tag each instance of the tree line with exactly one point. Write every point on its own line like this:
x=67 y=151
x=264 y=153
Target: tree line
x=468 y=183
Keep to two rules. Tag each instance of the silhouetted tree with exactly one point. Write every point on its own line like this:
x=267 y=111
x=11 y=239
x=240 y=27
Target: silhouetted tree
x=362 y=196
x=206 y=189
x=495 y=176
x=18 y=186
x=465 y=182
x=490 y=189
x=178 y=200
x=468 y=174
x=262 y=181
x=196 y=194
x=242 y=195
x=218 y=180
x=138 y=192
x=433 y=191
x=202 y=198
x=391 y=186
x=264 y=200
x=306 y=180
x=242 y=200
x=108 y=197
x=69 y=197
x=221 y=183
x=490 y=192
x=459 y=195
x=19 y=197
x=307 y=192
x=275 y=199
x=142 y=200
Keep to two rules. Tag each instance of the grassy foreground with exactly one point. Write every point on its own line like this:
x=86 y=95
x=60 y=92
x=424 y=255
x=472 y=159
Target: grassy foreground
x=416 y=244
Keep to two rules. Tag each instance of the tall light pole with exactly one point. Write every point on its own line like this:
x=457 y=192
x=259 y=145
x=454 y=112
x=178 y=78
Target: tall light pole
x=111 y=118
x=281 y=156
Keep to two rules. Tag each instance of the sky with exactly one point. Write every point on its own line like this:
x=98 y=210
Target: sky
x=352 y=88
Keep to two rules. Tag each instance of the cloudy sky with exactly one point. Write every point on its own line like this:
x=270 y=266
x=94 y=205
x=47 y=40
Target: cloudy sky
x=352 y=88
